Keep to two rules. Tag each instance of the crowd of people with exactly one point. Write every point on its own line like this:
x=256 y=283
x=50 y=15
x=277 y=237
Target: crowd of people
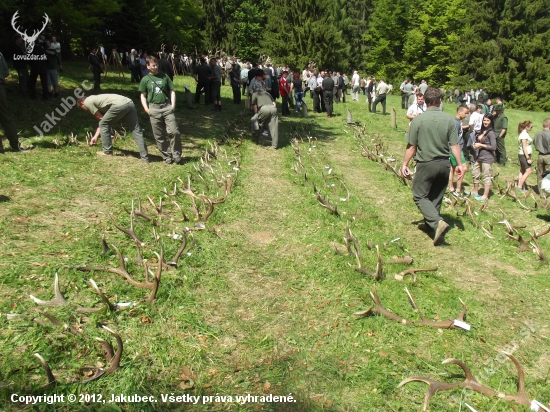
x=481 y=125
x=443 y=147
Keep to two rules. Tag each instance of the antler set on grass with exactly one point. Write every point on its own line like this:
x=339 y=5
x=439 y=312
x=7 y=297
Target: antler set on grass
x=378 y=309
x=122 y=271
x=110 y=356
x=470 y=382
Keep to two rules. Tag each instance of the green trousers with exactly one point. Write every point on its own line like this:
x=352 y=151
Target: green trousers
x=501 y=151
x=267 y=115
x=429 y=185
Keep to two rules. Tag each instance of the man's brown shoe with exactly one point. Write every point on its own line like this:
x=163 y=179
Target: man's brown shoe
x=442 y=228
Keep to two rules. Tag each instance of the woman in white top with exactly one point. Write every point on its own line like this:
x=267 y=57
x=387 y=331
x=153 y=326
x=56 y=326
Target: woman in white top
x=525 y=150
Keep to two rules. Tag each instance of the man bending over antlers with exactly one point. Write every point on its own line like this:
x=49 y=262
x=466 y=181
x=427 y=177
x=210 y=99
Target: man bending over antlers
x=110 y=109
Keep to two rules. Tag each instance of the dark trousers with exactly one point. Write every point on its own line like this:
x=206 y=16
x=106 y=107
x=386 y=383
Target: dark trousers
x=202 y=87
x=380 y=99
x=244 y=86
x=43 y=80
x=286 y=110
x=316 y=101
x=23 y=74
x=335 y=98
x=322 y=98
x=343 y=95
x=501 y=151
x=369 y=99
x=429 y=185
x=136 y=74
x=327 y=97
x=236 y=93
x=404 y=100
x=6 y=121
x=97 y=79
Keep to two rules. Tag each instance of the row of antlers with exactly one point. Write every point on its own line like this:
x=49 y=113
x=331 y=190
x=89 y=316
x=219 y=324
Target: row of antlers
x=216 y=173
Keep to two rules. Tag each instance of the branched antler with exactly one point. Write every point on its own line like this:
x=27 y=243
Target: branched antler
x=470 y=382
x=59 y=300
x=356 y=251
x=109 y=356
x=380 y=310
x=130 y=232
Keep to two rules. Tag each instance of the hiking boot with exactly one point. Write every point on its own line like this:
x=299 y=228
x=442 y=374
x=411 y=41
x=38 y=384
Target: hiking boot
x=104 y=154
x=442 y=228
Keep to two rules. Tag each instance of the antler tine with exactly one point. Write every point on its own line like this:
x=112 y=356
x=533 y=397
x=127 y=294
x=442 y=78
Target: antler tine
x=378 y=274
x=413 y=303
x=380 y=310
x=59 y=300
x=463 y=366
x=130 y=232
x=463 y=311
x=115 y=363
x=156 y=280
x=181 y=250
x=109 y=305
x=536 y=234
x=521 y=396
x=51 y=378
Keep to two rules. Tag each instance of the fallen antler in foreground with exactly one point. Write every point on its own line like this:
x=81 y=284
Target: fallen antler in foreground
x=471 y=383
x=380 y=310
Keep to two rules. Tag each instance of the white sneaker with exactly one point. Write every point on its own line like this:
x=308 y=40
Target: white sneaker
x=265 y=133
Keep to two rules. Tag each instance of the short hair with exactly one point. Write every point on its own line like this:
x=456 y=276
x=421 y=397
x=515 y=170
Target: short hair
x=433 y=97
x=546 y=122
x=461 y=108
x=419 y=95
x=151 y=59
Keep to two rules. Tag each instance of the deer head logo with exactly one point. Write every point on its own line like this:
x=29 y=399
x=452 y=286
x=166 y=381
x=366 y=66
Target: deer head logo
x=29 y=40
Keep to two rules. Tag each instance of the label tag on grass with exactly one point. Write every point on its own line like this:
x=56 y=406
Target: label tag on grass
x=536 y=406
x=461 y=325
x=470 y=408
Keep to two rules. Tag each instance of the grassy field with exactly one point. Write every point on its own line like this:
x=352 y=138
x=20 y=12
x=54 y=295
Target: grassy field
x=263 y=302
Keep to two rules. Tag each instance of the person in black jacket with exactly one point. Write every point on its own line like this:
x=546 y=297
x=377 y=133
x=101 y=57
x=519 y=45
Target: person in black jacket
x=235 y=76
x=202 y=73
x=165 y=66
x=328 y=87
x=20 y=65
x=96 y=67
x=39 y=67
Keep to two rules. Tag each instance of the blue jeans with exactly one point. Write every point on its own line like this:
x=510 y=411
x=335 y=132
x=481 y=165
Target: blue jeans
x=298 y=97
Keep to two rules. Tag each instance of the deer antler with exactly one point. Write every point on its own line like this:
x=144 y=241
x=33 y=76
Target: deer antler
x=59 y=300
x=356 y=251
x=183 y=249
x=107 y=348
x=470 y=382
x=412 y=272
x=380 y=310
x=139 y=212
x=130 y=232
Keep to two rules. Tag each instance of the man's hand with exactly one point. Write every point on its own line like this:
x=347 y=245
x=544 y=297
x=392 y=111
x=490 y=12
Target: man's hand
x=459 y=171
x=406 y=172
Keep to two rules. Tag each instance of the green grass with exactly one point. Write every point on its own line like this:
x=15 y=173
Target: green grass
x=263 y=304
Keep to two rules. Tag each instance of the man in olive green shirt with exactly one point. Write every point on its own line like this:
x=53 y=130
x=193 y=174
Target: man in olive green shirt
x=110 y=109
x=5 y=116
x=500 y=126
x=265 y=113
x=429 y=140
x=158 y=99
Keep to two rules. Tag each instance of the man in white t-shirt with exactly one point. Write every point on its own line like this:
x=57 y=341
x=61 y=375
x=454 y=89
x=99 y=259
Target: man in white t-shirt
x=476 y=119
x=416 y=108
x=355 y=86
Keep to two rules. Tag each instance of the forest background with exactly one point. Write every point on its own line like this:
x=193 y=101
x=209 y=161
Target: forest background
x=499 y=45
